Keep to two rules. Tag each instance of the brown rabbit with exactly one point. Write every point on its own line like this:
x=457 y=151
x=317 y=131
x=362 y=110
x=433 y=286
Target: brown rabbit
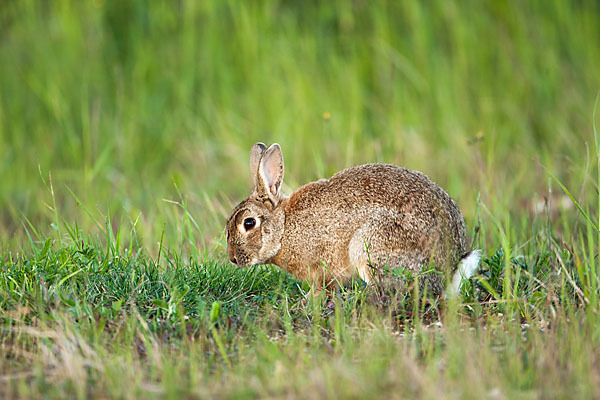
x=360 y=218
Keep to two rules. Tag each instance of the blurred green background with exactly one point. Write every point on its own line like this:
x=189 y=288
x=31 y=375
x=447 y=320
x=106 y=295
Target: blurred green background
x=145 y=111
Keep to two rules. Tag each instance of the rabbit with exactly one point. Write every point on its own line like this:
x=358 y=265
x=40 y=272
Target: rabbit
x=363 y=217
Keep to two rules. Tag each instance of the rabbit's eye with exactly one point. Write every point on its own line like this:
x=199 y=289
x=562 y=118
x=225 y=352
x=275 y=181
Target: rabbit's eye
x=249 y=223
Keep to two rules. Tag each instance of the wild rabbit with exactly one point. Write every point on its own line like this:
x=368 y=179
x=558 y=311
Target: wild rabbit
x=361 y=218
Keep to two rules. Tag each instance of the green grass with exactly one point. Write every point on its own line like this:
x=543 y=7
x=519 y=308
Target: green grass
x=125 y=128
x=78 y=323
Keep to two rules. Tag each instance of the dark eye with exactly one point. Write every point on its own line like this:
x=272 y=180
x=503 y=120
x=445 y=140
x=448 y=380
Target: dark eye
x=249 y=223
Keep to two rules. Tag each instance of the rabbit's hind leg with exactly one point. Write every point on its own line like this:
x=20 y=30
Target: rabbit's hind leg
x=381 y=243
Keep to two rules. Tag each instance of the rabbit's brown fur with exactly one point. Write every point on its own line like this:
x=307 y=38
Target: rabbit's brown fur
x=329 y=229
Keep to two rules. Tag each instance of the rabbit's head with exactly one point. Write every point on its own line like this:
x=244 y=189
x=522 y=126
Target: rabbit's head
x=255 y=226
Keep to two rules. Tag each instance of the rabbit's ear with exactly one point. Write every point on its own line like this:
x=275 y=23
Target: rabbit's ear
x=255 y=153
x=270 y=174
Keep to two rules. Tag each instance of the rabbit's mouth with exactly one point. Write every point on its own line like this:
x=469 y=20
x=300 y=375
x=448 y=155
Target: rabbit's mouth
x=242 y=260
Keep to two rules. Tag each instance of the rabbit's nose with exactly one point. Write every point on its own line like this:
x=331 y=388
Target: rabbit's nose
x=231 y=255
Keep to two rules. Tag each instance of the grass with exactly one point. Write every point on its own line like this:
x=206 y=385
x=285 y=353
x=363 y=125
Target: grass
x=80 y=324
x=124 y=137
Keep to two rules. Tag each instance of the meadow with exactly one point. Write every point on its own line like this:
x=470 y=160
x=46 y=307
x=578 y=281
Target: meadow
x=125 y=128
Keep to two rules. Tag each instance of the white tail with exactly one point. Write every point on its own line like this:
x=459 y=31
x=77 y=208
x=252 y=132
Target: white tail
x=466 y=268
